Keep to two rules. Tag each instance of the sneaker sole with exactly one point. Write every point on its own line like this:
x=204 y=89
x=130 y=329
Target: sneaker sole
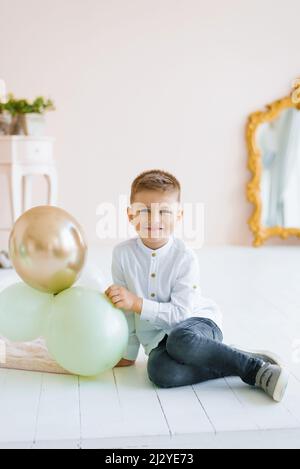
x=281 y=385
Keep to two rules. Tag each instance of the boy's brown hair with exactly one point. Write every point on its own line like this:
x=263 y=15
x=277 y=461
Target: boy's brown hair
x=155 y=180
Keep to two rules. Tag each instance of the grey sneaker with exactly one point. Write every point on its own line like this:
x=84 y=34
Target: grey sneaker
x=273 y=379
x=265 y=355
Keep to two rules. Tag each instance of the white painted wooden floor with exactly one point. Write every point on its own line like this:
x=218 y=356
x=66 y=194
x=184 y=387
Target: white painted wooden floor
x=259 y=292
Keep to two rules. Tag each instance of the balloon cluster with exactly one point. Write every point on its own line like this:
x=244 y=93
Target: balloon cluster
x=84 y=332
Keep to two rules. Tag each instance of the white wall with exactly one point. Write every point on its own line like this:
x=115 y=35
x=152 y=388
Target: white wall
x=152 y=83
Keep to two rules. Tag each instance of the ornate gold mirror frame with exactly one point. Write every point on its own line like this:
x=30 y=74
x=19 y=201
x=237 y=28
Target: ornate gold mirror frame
x=260 y=232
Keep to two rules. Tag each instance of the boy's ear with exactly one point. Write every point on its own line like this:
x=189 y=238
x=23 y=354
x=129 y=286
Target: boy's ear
x=129 y=214
x=180 y=213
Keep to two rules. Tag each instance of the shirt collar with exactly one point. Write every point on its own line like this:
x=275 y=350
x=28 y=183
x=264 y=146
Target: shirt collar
x=162 y=250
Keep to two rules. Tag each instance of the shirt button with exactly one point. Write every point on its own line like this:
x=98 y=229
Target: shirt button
x=194 y=286
x=153 y=275
x=153 y=254
x=152 y=294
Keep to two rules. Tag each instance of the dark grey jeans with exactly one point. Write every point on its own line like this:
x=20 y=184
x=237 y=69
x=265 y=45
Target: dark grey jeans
x=194 y=352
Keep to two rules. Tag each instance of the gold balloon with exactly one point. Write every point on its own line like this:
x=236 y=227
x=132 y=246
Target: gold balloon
x=47 y=248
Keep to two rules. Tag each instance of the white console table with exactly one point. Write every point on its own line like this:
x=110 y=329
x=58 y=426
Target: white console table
x=22 y=157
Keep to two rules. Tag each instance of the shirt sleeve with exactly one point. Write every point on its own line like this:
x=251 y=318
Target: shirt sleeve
x=184 y=296
x=133 y=344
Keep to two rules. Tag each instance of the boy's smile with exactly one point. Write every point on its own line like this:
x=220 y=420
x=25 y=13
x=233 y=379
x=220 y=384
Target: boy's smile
x=154 y=215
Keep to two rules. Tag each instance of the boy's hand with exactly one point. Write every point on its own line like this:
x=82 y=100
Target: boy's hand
x=124 y=299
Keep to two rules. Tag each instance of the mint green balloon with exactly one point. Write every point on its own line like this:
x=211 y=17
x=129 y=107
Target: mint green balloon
x=23 y=312
x=85 y=334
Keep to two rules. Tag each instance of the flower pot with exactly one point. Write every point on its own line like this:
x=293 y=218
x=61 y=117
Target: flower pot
x=5 y=121
x=36 y=124
x=27 y=124
x=17 y=125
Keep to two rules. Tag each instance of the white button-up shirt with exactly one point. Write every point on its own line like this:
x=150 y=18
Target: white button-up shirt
x=168 y=280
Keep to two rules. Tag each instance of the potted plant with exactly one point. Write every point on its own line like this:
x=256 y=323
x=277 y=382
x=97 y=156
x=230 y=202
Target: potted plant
x=21 y=117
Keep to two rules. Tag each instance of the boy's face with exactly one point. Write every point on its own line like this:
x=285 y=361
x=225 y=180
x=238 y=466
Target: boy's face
x=154 y=214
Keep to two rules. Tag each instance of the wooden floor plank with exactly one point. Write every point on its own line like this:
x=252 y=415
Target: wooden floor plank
x=18 y=406
x=224 y=409
x=140 y=407
x=265 y=412
x=58 y=416
x=183 y=410
x=100 y=407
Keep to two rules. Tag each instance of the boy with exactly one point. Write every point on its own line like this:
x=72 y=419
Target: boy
x=156 y=284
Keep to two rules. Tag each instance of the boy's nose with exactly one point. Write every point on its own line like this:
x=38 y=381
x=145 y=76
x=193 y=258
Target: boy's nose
x=155 y=224
x=155 y=219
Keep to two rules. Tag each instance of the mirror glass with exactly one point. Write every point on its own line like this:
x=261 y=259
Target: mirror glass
x=279 y=145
